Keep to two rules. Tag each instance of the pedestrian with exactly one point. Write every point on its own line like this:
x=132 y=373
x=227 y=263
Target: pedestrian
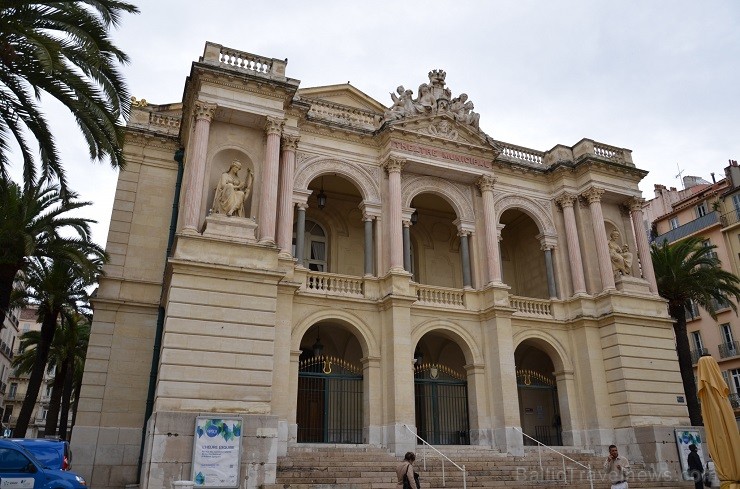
x=617 y=468
x=696 y=467
x=407 y=469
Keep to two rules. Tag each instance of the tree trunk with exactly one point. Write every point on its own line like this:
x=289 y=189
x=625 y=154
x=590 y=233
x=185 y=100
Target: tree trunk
x=7 y=276
x=52 y=416
x=66 y=395
x=37 y=375
x=78 y=388
x=678 y=312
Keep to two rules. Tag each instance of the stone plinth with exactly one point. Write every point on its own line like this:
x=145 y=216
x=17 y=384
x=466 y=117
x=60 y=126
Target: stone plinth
x=221 y=226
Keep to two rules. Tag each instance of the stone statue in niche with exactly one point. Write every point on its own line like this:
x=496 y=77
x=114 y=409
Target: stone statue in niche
x=620 y=255
x=231 y=193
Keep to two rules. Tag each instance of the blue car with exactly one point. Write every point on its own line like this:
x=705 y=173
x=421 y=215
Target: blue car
x=52 y=453
x=19 y=469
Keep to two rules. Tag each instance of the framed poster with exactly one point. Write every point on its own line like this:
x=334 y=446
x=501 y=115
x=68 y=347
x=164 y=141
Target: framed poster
x=684 y=438
x=217 y=451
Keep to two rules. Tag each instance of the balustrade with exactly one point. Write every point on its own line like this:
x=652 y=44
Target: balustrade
x=333 y=284
x=521 y=154
x=233 y=58
x=352 y=116
x=440 y=296
x=531 y=307
x=731 y=349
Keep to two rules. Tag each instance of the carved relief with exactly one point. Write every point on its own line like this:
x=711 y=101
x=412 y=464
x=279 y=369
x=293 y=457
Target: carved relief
x=442 y=129
x=460 y=200
x=310 y=168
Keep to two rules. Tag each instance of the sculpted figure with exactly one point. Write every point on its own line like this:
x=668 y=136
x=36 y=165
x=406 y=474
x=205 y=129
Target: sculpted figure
x=457 y=107
x=473 y=118
x=231 y=192
x=620 y=255
x=403 y=104
x=426 y=101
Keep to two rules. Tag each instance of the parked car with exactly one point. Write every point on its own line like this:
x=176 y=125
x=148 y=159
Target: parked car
x=20 y=469
x=52 y=453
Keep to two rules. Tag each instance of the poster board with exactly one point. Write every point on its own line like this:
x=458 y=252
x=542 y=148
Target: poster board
x=684 y=438
x=217 y=452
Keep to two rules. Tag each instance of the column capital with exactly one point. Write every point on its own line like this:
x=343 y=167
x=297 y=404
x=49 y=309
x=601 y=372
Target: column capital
x=302 y=205
x=593 y=195
x=566 y=199
x=204 y=110
x=635 y=204
x=547 y=241
x=394 y=164
x=370 y=210
x=290 y=142
x=464 y=226
x=274 y=125
x=485 y=183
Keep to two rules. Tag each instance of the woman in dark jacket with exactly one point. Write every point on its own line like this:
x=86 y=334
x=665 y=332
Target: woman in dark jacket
x=406 y=468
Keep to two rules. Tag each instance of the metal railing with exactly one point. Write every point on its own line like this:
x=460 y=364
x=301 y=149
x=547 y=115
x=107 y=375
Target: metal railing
x=444 y=457
x=565 y=473
x=697 y=354
x=691 y=227
x=731 y=349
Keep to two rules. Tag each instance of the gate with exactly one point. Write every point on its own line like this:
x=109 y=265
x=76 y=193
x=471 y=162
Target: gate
x=329 y=407
x=441 y=396
x=540 y=389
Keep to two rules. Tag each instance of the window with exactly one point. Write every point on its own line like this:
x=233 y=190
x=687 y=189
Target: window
x=13 y=461
x=673 y=222
x=701 y=210
x=735 y=383
x=314 y=247
x=13 y=390
x=696 y=340
x=7 y=414
x=692 y=311
x=736 y=205
x=48 y=391
x=726 y=331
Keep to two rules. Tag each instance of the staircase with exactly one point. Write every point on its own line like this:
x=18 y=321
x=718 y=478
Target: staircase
x=320 y=466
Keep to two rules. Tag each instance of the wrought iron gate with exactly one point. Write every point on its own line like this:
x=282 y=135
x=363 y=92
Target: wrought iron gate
x=551 y=433
x=441 y=405
x=329 y=408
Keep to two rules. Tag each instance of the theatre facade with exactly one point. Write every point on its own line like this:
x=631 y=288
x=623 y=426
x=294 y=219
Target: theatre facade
x=329 y=269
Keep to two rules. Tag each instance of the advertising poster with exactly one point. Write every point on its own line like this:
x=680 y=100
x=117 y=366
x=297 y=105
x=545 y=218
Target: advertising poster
x=217 y=452
x=684 y=438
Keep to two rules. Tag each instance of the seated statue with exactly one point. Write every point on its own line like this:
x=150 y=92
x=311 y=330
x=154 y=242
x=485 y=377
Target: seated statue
x=621 y=256
x=231 y=192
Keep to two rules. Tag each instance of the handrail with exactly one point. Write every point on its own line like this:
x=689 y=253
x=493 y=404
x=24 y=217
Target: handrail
x=565 y=473
x=424 y=459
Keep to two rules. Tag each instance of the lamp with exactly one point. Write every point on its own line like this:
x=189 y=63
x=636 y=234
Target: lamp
x=317 y=347
x=418 y=356
x=321 y=197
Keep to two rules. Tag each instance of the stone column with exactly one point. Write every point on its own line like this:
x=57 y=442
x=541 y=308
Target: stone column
x=196 y=166
x=300 y=232
x=393 y=166
x=593 y=196
x=407 y=245
x=547 y=244
x=643 y=248
x=285 y=207
x=269 y=188
x=465 y=256
x=567 y=201
x=493 y=254
x=368 y=220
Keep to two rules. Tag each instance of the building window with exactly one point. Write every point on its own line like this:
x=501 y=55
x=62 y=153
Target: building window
x=701 y=210
x=726 y=330
x=696 y=339
x=735 y=382
x=692 y=310
x=13 y=390
x=314 y=247
x=7 y=414
x=736 y=205
x=673 y=222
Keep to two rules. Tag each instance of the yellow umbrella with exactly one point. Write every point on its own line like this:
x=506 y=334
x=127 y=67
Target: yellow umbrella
x=719 y=422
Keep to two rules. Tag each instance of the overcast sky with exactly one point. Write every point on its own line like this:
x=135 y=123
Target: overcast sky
x=658 y=77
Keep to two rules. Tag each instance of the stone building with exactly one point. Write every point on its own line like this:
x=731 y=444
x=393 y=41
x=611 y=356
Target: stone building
x=332 y=270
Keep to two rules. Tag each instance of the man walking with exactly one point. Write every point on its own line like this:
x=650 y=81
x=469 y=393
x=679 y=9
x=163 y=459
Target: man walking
x=617 y=468
x=696 y=468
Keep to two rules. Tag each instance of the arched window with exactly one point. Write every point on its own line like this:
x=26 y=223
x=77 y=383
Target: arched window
x=314 y=246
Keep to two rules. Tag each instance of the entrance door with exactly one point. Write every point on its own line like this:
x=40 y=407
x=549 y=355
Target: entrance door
x=329 y=407
x=538 y=404
x=441 y=405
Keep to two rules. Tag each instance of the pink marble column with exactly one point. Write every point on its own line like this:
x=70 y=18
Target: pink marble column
x=493 y=255
x=393 y=166
x=643 y=248
x=285 y=205
x=196 y=166
x=593 y=196
x=567 y=202
x=269 y=187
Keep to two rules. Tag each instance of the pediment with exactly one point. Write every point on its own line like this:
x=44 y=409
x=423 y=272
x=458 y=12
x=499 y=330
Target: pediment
x=441 y=127
x=343 y=94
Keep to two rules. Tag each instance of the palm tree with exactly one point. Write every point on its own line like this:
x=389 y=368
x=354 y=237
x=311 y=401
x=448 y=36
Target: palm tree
x=689 y=271
x=31 y=221
x=54 y=286
x=75 y=341
x=63 y=49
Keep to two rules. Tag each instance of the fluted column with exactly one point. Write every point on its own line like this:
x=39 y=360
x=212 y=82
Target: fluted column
x=196 y=165
x=393 y=166
x=300 y=231
x=493 y=254
x=465 y=257
x=567 y=201
x=368 y=220
x=268 y=203
x=285 y=206
x=593 y=196
x=643 y=248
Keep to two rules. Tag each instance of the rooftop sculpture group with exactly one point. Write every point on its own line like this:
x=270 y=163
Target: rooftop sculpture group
x=432 y=98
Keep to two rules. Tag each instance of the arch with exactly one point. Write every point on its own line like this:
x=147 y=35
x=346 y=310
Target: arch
x=455 y=333
x=539 y=212
x=312 y=168
x=353 y=323
x=547 y=343
x=460 y=201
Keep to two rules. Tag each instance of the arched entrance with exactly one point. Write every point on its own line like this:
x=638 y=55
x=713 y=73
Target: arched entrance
x=538 y=396
x=329 y=406
x=441 y=392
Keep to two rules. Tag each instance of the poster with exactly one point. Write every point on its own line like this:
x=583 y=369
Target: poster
x=217 y=452
x=684 y=438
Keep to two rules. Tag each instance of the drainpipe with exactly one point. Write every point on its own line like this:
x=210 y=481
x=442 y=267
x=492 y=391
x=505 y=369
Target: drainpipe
x=178 y=157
